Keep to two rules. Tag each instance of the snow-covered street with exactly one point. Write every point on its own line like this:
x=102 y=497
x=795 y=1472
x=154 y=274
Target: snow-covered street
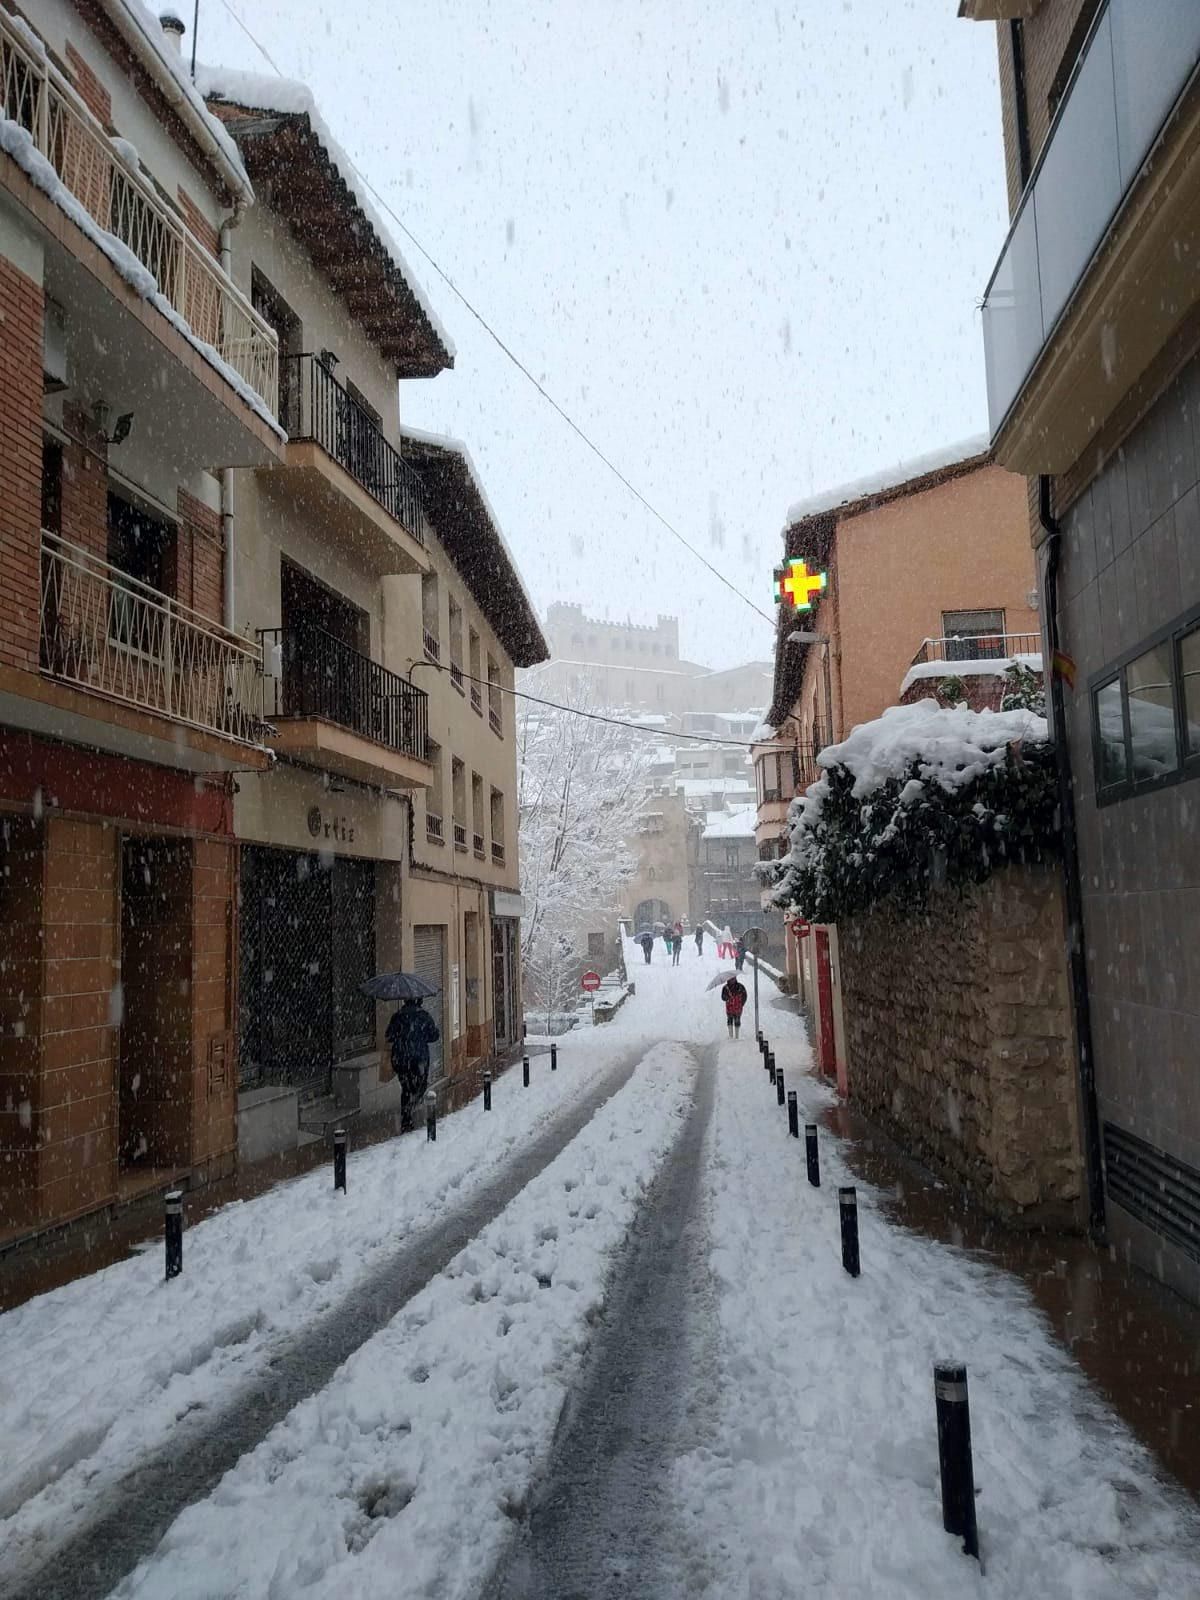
x=636 y=1368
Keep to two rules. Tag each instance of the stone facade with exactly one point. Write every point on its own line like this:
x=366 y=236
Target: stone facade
x=959 y=1037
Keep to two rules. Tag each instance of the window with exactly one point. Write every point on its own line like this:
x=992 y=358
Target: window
x=976 y=635
x=458 y=787
x=429 y=614
x=1189 y=690
x=1146 y=713
x=1150 y=694
x=434 y=828
x=498 y=823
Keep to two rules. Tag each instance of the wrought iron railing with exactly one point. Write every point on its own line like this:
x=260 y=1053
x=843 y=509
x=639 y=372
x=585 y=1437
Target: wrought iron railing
x=979 y=647
x=456 y=676
x=433 y=827
x=106 y=179
x=477 y=842
x=316 y=406
x=494 y=721
x=115 y=636
x=460 y=836
x=497 y=853
x=476 y=699
x=432 y=647
x=322 y=677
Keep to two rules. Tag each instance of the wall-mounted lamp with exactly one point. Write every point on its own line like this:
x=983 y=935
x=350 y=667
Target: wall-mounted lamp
x=123 y=425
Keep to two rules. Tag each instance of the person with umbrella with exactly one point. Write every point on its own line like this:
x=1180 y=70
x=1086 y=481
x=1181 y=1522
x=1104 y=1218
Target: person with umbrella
x=646 y=940
x=410 y=1033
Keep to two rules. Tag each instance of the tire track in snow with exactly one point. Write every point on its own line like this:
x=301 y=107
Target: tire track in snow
x=605 y=1523
x=139 y=1508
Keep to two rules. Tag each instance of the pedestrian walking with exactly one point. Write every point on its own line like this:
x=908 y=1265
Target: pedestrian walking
x=646 y=940
x=734 y=996
x=676 y=947
x=410 y=1033
x=740 y=957
x=699 y=936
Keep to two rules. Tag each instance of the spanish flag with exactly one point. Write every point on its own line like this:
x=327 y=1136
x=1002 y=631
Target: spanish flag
x=1064 y=668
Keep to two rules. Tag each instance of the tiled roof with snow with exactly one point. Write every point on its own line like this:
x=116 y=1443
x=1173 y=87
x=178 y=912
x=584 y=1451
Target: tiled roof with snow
x=888 y=480
x=285 y=97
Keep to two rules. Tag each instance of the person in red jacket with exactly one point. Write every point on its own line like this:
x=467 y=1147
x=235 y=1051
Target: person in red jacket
x=734 y=996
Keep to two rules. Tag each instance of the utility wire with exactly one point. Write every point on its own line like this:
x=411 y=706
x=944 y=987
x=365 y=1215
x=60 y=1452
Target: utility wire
x=662 y=734
x=520 y=365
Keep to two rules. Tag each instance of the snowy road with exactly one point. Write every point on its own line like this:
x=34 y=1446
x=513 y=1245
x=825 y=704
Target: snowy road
x=625 y=1363
x=605 y=1525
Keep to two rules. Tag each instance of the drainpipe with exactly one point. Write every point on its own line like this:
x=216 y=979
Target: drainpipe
x=225 y=475
x=1076 y=951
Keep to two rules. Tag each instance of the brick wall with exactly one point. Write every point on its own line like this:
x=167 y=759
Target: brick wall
x=77 y=1112
x=21 y=891
x=199 y=223
x=85 y=483
x=198 y=567
x=21 y=481
x=91 y=91
x=958 y=1036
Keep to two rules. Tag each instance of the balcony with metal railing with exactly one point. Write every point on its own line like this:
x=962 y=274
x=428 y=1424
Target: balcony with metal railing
x=334 y=707
x=434 y=830
x=341 y=469
x=497 y=854
x=117 y=639
x=477 y=843
x=998 y=647
x=973 y=667
x=105 y=178
x=1097 y=269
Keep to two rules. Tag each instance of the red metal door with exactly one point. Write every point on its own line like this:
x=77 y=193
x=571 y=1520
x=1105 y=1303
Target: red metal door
x=826 y=1049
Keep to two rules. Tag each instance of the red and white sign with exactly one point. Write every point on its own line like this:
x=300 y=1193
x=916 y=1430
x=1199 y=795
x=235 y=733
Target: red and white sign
x=590 y=982
x=799 y=927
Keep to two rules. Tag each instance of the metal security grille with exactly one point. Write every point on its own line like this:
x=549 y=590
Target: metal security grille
x=429 y=961
x=307 y=943
x=1159 y=1190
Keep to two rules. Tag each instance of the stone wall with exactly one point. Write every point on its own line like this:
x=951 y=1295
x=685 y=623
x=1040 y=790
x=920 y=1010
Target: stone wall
x=959 y=1037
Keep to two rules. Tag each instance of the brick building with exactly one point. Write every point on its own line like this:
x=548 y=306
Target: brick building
x=126 y=705
x=1091 y=327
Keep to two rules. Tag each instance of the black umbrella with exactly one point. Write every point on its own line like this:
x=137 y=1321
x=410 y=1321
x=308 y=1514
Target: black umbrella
x=398 y=986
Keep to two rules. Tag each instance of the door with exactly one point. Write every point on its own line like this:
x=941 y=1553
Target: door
x=827 y=1051
x=429 y=962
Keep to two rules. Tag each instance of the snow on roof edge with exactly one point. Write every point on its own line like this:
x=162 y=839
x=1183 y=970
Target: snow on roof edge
x=290 y=97
x=888 y=478
x=149 y=30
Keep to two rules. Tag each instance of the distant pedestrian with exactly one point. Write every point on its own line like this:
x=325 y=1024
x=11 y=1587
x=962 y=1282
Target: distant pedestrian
x=734 y=996
x=740 y=957
x=646 y=940
x=410 y=1033
x=676 y=947
x=699 y=938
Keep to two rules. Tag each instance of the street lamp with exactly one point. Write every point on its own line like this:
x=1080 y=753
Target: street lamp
x=804 y=636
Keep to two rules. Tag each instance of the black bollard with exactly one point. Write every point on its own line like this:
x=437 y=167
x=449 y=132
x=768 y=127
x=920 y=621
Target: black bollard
x=954 y=1453
x=771 y=1064
x=553 y=1058
x=431 y=1115
x=793 y=1115
x=812 y=1154
x=487 y=1091
x=339 y=1159
x=763 y=1047
x=173 y=1228
x=779 y=1094
x=848 y=1206
x=758 y=1039
x=525 y=1071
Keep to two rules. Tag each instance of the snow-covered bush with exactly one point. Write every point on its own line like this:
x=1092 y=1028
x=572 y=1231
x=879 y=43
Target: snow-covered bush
x=921 y=798
x=1023 y=689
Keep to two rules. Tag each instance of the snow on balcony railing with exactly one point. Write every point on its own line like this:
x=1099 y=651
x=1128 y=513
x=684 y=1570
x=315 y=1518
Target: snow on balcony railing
x=104 y=176
x=114 y=636
x=999 y=647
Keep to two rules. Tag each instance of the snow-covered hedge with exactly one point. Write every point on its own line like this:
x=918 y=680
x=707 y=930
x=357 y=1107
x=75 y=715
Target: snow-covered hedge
x=920 y=798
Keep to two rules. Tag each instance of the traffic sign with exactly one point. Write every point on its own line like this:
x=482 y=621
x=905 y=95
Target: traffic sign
x=799 y=927
x=755 y=940
x=590 y=982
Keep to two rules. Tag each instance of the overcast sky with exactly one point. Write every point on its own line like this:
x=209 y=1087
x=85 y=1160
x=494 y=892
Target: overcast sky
x=742 y=244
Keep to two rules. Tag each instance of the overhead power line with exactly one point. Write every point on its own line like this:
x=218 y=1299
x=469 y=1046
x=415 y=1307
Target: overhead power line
x=663 y=734
x=521 y=367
